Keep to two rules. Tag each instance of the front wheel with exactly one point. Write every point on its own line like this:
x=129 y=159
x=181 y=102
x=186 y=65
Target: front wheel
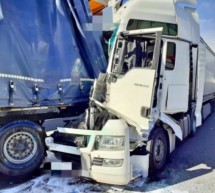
x=22 y=148
x=158 y=150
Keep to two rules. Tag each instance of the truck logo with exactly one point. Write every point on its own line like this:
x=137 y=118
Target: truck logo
x=141 y=85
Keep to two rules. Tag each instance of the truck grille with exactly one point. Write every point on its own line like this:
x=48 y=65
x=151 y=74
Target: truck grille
x=97 y=161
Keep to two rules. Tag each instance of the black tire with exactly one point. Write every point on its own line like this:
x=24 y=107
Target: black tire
x=212 y=106
x=158 y=151
x=193 y=128
x=22 y=148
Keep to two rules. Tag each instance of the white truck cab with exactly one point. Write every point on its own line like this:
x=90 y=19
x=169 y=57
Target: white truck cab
x=154 y=91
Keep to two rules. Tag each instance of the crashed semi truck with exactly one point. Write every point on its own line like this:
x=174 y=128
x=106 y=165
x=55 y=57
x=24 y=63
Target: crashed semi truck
x=48 y=59
x=158 y=88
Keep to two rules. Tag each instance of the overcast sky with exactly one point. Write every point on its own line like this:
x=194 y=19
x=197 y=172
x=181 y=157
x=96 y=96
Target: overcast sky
x=206 y=10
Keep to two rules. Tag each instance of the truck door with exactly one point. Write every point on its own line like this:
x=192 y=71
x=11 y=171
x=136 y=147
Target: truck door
x=175 y=92
x=131 y=92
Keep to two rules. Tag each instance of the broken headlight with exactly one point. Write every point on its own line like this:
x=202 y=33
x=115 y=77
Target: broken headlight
x=80 y=141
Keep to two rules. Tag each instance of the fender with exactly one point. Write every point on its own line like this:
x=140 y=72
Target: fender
x=175 y=127
x=25 y=123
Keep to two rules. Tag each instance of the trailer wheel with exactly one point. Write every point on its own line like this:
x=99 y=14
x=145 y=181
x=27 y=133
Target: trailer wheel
x=22 y=148
x=158 y=150
x=193 y=124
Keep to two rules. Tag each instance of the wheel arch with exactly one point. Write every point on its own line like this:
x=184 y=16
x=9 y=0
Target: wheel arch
x=165 y=119
x=24 y=123
x=170 y=134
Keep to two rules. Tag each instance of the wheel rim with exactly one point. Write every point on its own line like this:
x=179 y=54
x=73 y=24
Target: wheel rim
x=159 y=151
x=20 y=147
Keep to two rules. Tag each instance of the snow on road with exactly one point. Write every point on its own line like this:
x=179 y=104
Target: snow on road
x=51 y=184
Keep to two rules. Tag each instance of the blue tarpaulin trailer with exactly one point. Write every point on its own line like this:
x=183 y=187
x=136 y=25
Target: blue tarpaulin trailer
x=48 y=58
x=46 y=52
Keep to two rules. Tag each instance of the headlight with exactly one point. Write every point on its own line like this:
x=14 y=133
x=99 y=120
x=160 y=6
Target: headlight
x=112 y=162
x=110 y=143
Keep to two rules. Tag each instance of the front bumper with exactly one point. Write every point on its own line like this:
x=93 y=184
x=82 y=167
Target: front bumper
x=111 y=175
x=120 y=175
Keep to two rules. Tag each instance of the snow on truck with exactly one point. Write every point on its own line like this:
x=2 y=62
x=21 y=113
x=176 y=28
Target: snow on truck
x=159 y=86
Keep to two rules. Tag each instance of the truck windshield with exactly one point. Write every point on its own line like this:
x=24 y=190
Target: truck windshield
x=168 y=28
x=133 y=52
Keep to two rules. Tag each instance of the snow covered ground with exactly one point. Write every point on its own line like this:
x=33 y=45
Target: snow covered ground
x=55 y=184
x=47 y=183
x=52 y=184
x=190 y=169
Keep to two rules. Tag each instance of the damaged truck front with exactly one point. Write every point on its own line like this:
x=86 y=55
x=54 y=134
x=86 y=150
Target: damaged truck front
x=115 y=146
x=155 y=90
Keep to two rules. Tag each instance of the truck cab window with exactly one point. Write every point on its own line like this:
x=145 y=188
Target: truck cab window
x=133 y=53
x=170 y=56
